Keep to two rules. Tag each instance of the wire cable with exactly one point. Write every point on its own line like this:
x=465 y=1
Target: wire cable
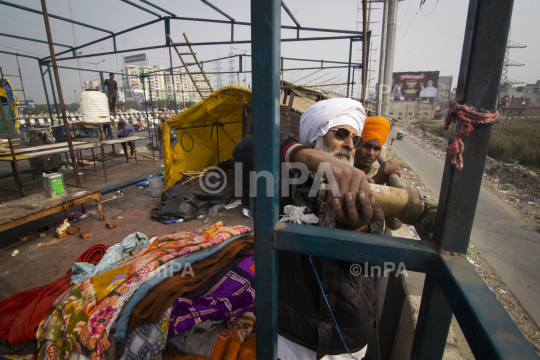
x=408 y=27
x=423 y=1
x=403 y=18
x=327 y=304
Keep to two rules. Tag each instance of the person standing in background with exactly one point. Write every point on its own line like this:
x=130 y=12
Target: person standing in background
x=112 y=92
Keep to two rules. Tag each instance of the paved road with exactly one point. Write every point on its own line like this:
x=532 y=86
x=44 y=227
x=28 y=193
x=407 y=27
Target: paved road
x=509 y=243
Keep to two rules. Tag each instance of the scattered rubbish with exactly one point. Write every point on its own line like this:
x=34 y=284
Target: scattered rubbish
x=144 y=183
x=41 y=235
x=78 y=193
x=39 y=244
x=531 y=203
x=174 y=221
x=23 y=237
x=296 y=214
x=233 y=205
x=63 y=227
x=205 y=221
x=85 y=235
x=61 y=235
x=14 y=253
x=216 y=209
x=199 y=217
x=120 y=217
x=79 y=216
x=247 y=213
x=502 y=291
x=111 y=225
x=73 y=230
x=121 y=192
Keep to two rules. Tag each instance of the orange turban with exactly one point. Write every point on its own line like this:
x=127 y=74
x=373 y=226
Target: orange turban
x=376 y=127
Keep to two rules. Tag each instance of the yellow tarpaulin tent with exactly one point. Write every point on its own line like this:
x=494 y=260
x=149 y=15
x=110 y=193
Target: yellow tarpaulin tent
x=205 y=134
x=13 y=103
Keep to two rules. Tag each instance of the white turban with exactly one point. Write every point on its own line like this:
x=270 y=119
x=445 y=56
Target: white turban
x=327 y=114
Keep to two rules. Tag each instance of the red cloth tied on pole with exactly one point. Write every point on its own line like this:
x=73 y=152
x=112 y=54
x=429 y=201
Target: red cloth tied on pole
x=464 y=116
x=21 y=313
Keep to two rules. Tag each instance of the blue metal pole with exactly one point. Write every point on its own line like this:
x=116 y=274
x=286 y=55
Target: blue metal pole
x=142 y=8
x=174 y=92
x=266 y=47
x=484 y=48
x=349 y=67
x=60 y=125
x=157 y=7
x=46 y=94
x=54 y=96
x=34 y=40
x=53 y=16
x=146 y=107
x=102 y=82
x=218 y=10
x=153 y=114
x=109 y=37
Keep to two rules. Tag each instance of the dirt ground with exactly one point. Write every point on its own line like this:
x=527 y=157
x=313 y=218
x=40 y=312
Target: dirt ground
x=523 y=186
x=42 y=260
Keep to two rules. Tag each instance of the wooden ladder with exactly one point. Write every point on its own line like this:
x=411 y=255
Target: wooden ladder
x=193 y=81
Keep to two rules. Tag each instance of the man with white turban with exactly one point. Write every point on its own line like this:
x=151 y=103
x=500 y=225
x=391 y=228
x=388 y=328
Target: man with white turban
x=329 y=134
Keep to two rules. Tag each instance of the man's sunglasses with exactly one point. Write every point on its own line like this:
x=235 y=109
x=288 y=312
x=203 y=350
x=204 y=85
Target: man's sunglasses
x=343 y=134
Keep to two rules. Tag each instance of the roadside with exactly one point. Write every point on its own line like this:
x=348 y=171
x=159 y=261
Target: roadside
x=513 y=183
x=435 y=145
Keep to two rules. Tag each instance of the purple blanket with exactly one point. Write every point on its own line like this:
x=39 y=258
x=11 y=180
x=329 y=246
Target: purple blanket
x=231 y=297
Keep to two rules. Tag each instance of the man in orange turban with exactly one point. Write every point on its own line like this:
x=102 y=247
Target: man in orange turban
x=375 y=133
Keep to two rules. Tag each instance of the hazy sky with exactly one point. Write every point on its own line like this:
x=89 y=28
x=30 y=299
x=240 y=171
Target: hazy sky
x=429 y=38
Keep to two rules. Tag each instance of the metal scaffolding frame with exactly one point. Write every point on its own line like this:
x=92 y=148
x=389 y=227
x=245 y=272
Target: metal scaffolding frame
x=46 y=62
x=452 y=286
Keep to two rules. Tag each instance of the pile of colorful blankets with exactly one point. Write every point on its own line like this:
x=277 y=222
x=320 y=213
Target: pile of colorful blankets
x=178 y=296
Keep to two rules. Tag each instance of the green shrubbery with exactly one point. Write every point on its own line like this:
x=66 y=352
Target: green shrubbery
x=516 y=141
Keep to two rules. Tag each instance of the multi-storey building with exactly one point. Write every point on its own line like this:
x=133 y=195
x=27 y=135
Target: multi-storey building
x=160 y=85
x=92 y=84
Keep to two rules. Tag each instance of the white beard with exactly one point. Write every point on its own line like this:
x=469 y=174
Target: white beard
x=320 y=144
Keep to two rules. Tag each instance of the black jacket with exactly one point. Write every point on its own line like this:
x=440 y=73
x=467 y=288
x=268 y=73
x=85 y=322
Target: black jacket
x=303 y=316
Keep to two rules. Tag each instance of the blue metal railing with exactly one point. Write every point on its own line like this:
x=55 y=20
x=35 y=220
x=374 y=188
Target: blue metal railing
x=452 y=285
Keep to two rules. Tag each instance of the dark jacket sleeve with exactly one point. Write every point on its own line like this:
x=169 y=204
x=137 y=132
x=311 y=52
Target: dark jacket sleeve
x=243 y=153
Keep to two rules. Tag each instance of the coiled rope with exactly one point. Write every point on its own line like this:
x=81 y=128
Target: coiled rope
x=464 y=116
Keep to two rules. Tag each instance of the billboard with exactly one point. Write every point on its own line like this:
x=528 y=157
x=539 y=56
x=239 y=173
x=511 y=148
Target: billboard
x=414 y=85
x=29 y=104
x=135 y=58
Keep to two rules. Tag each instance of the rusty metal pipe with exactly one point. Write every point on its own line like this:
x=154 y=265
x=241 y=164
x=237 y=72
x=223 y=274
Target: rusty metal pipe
x=59 y=89
x=393 y=179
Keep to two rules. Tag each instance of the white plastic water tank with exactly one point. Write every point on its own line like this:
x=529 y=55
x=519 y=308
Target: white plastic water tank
x=94 y=107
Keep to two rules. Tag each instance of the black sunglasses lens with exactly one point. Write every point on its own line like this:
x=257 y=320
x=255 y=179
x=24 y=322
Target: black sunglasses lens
x=357 y=140
x=342 y=133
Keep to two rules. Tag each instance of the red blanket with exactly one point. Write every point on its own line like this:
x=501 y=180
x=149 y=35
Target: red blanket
x=21 y=313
